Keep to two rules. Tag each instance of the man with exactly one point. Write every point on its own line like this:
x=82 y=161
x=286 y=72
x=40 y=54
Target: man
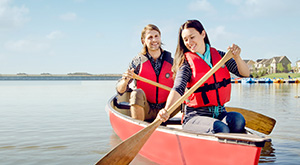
x=152 y=63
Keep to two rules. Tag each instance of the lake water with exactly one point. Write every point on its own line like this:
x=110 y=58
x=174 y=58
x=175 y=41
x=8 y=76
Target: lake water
x=64 y=122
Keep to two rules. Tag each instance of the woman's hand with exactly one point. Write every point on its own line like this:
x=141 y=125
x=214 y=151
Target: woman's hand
x=163 y=115
x=236 y=50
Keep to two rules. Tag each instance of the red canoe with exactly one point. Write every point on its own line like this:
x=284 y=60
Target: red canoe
x=169 y=144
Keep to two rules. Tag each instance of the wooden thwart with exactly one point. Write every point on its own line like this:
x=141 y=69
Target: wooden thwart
x=240 y=136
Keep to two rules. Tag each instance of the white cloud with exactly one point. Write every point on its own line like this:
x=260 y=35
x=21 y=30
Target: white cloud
x=234 y=2
x=266 y=8
x=68 y=16
x=220 y=33
x=55 y=35
x=26 y=46
x=12 y=16
x=201 y=5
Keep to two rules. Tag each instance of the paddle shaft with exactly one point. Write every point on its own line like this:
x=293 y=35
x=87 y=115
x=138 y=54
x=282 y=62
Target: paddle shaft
x=125 y=152
x=135 y=76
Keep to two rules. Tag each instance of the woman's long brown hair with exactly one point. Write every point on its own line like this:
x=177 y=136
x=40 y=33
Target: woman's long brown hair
x=181 y=48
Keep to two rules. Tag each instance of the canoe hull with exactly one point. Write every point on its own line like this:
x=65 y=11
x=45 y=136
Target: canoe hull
x=174 y=146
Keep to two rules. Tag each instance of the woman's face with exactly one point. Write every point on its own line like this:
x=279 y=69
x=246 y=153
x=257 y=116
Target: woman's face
x=193 y=40
x=152 y=40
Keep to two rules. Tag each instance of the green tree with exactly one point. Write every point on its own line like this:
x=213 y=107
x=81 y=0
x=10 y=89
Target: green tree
x=296 y=69
x=254 y=72
x=269 y=69
x=289 y=66
x=262 y=71
x=280 y=67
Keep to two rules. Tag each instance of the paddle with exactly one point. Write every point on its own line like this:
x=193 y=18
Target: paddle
x=135 y=76
x=125 y=152
x=255 y=121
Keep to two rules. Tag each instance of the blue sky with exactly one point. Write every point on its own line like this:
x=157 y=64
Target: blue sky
x=95 y=36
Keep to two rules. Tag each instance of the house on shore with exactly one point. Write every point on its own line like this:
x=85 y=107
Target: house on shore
x=250 y=64
x=297 y=67
x=272 y=65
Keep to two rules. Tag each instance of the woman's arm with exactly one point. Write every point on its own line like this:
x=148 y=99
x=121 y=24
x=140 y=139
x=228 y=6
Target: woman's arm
x=172 y=98
x=182 y=77
x=233 y=67
x=241 y=65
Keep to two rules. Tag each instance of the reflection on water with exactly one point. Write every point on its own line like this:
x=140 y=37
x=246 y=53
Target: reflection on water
x=267 y=153
x=54 y=122
x=279 y=102
x=66 y=123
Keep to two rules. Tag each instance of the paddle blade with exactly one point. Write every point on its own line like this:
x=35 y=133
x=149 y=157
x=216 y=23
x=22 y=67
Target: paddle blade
x=125 y=152
x=255 y=121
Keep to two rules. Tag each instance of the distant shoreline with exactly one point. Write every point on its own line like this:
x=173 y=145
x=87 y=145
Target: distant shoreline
x=70 y=74
x=74 y=77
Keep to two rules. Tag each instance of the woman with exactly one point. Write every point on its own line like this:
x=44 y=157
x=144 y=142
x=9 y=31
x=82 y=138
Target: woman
x=204 y=110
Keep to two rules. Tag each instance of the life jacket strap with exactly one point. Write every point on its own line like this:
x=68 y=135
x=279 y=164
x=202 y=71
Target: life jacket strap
x=207 y=87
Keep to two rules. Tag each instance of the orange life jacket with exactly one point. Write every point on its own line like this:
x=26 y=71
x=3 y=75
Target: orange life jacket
x=216 y=89
x=155 y=94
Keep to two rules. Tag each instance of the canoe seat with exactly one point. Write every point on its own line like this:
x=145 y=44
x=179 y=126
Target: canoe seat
x=124 y=108
x=121 y=105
